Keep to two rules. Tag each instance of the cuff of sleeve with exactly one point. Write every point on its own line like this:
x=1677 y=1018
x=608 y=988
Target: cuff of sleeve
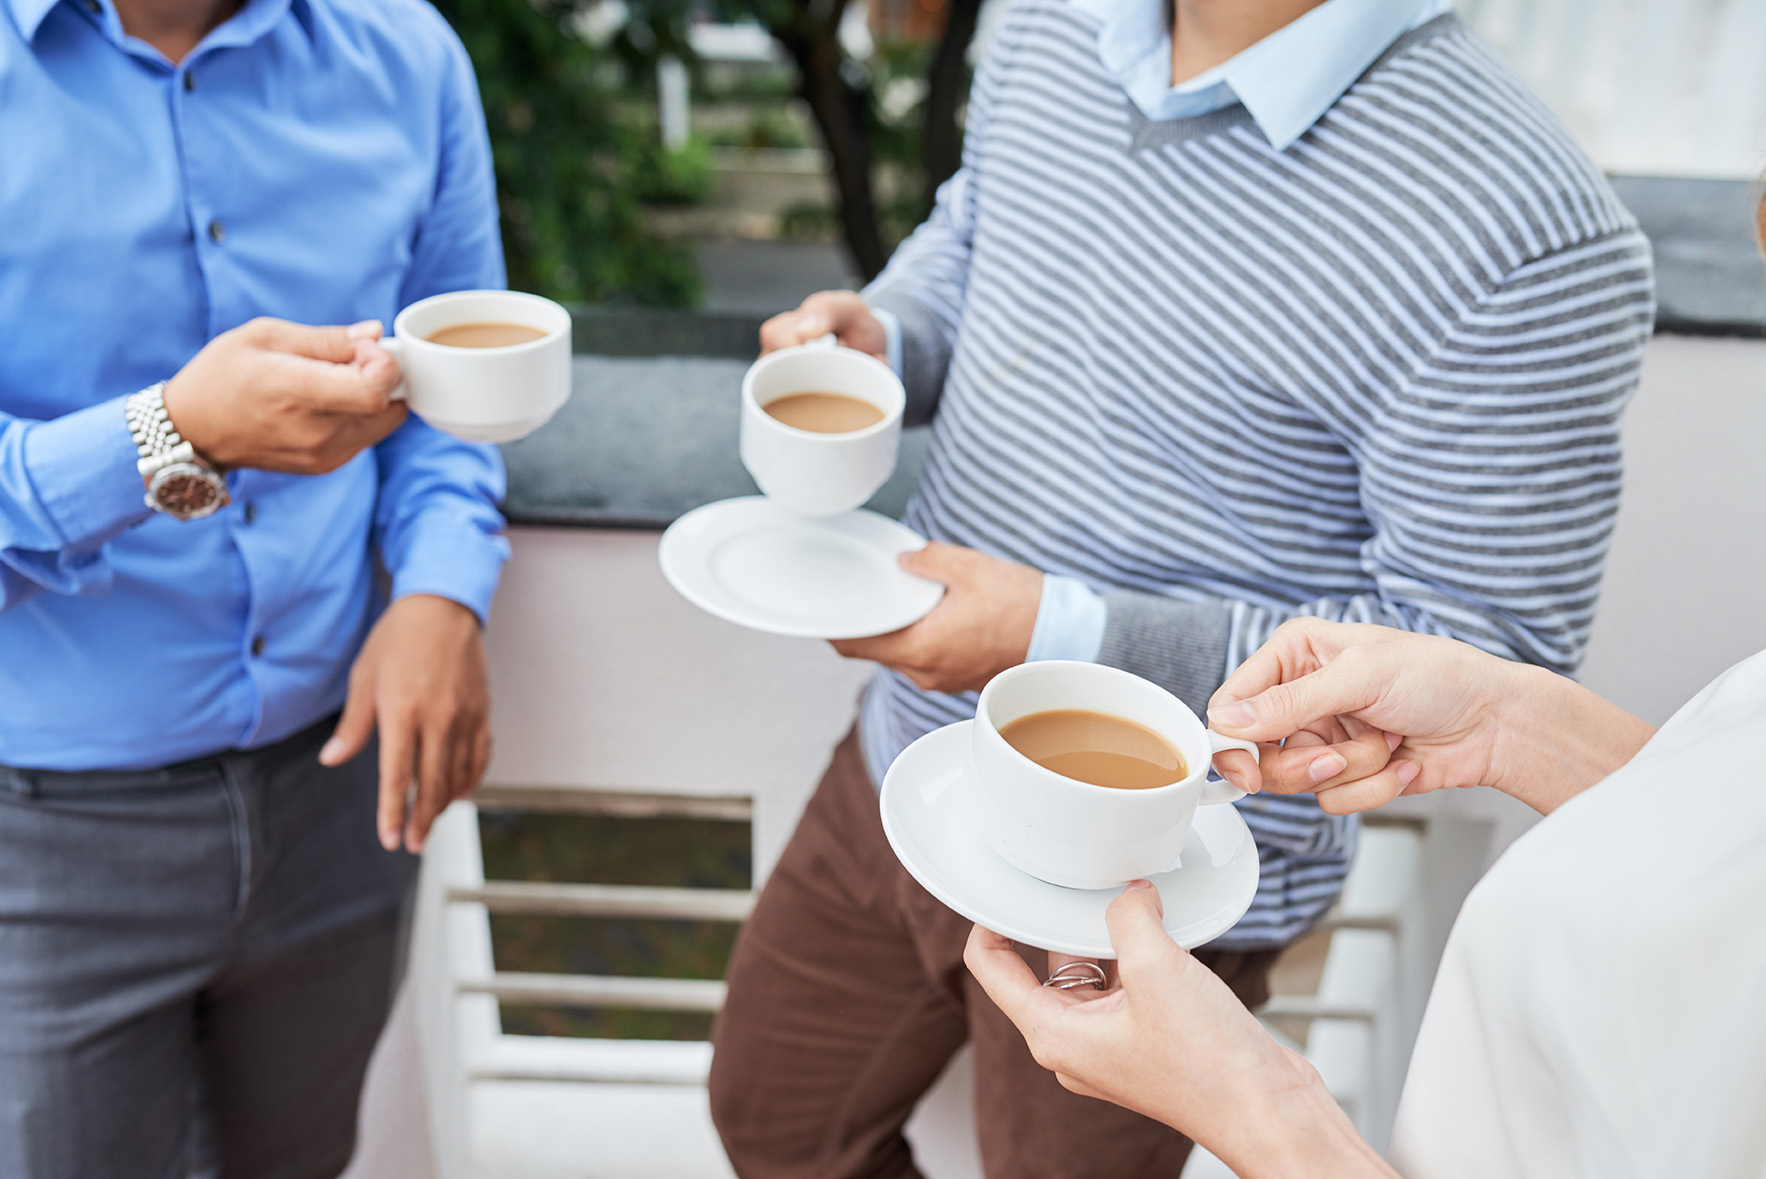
x=82 y=466
x=919 y=351
x=454 y=559
x=1181 y=646
x=892 y=336
x=1070 y=621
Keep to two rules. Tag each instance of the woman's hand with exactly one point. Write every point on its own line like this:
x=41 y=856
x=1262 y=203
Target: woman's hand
x=1170 y=1041
x=1450 y=715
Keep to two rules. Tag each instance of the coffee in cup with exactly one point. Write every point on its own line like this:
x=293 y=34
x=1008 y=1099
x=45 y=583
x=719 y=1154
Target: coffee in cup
x=485 y=366
x=485 y=335
x=1046 y=732
x=824 y=413
x=1096 y=747
x=820 y=426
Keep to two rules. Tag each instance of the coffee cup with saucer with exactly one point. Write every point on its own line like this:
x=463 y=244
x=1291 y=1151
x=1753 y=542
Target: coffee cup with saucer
x=1039 y=859
x=804 y=558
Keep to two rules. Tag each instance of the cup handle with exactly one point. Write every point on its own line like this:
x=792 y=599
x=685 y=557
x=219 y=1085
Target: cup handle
x=396 y=349
x=825 y=340
x=1216 y=790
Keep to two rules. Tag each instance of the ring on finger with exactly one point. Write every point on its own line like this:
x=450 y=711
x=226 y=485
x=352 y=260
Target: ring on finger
x=1075 y=975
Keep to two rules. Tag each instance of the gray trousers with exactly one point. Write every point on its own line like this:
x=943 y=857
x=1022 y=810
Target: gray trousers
x=195 y=963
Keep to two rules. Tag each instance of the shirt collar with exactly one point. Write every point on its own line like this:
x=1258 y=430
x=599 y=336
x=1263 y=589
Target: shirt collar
x=1286 y=81
x=252 y=21
x=29 y=14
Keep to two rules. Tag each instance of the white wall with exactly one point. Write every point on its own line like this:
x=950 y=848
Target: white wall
x=1685 y=593
x=603 y=677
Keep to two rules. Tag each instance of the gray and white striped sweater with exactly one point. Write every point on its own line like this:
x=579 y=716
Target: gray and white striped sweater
x=1375 y=377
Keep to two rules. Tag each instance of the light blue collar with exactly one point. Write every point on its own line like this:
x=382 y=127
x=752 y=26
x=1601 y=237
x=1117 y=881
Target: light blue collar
x=29 y=14
x=1286 y=81
x=253 y=19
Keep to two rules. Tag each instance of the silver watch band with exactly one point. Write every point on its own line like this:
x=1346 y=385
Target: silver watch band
x=156 y=438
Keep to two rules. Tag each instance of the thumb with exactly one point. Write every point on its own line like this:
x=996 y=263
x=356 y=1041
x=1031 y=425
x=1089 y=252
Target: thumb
x=1137 y=930
x=1339 y=688
x=354 y=728
x=934 y=562
x=379 y=370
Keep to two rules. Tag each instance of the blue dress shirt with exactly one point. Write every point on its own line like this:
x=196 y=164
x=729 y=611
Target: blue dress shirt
x=322 y=161
x=1286 y=81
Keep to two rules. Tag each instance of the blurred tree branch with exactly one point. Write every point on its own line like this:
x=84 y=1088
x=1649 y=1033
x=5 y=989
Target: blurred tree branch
x=947 y=85
x=842 y=96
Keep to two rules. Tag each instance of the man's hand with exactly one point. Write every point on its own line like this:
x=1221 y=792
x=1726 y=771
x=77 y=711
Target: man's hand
x=840 y=312
x=281 y=396
x=980 y=628
x=421 y=675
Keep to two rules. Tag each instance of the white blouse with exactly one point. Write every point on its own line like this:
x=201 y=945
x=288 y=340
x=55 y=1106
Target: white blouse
x=1601 y=1007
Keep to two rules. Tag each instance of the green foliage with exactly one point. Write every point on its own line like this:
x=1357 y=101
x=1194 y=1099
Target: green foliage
x=566 y=156
x=683 y=176
x=807 y=221
x=603 y=849
x=770 y=83
x=768 y=127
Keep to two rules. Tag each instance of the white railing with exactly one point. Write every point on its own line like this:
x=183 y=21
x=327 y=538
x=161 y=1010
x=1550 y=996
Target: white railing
x=1360 y=1021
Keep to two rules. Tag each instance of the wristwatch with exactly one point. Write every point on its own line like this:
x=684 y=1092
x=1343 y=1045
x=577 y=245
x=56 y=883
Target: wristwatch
x=179 y=483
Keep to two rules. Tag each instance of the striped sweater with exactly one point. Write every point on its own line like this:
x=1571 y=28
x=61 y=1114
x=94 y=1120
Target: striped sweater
x=1376 y=377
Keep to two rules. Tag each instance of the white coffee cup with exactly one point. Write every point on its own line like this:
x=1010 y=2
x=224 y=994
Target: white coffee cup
x=1073 y=833
x=483 y=394
x=820 y=474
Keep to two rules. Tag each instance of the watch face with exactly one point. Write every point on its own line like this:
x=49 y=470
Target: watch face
x=188 y=491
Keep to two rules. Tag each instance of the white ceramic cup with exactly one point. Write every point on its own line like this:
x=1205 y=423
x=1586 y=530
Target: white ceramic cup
x=1073 y=833
x=483 y=394
x=820 y=474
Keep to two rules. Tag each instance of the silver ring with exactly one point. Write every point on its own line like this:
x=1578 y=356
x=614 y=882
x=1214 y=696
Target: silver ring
x=1075 y=975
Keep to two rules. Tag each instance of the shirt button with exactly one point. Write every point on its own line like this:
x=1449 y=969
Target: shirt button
x=257 y=645
x=251 y=513
x=92 y=6
x=189 y=80
x=217 y=232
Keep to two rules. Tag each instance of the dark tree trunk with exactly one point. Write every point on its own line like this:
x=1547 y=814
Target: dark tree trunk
x=842 y=113
x=945 y=87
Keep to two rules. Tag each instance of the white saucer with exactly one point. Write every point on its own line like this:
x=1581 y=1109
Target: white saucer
x=929 y=796
x=751 y=562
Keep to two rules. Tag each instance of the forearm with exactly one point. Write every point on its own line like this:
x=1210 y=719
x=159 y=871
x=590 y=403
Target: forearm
x=1299 y=1131
x=1181 y=646
x=437 y=525
x=924 y=287
x=925 y=351
x=1554 y=738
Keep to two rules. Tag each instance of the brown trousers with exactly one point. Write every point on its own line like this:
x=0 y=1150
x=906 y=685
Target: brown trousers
x=848 y=996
